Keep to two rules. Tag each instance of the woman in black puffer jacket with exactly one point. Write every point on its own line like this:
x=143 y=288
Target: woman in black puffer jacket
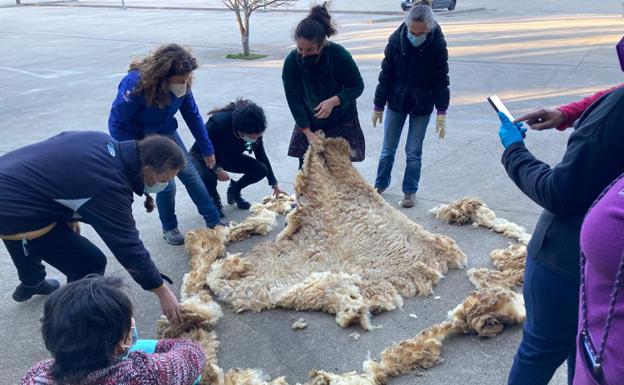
x=413 y=80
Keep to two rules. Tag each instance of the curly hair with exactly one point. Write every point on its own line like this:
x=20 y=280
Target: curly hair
x=156 y=68
x=247 y=116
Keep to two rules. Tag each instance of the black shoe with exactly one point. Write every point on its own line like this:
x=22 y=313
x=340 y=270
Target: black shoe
x=234 y=196
x=23 y=293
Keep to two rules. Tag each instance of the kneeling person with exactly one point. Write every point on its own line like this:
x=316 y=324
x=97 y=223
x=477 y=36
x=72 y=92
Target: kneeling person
x=235 y=129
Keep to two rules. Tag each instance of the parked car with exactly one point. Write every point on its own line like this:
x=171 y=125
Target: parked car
x=437 y=4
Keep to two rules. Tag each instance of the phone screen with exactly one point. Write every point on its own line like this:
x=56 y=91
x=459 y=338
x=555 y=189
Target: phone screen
x=498 y=105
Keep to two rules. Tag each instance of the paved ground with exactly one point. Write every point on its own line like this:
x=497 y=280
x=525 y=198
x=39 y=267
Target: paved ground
x=60 y=68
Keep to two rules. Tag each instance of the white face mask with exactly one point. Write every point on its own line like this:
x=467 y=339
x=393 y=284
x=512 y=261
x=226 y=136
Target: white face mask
x=155 y=188
x=178 y=90
x=248 y=139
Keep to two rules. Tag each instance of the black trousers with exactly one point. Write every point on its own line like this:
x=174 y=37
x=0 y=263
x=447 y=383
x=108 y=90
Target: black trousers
x=72 y=254
x=253 y=171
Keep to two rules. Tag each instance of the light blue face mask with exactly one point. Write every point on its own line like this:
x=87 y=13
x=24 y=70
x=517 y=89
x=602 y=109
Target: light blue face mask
x=155 y=188
x=416 y=41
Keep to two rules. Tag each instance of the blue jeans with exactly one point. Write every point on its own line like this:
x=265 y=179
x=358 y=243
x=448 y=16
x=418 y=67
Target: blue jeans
x=165 y=200
x=393 y=126
x=549 y=333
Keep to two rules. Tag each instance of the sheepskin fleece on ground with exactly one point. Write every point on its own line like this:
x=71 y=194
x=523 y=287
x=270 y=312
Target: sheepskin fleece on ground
x=344 y=251
x=475 y=211
x=510 y=263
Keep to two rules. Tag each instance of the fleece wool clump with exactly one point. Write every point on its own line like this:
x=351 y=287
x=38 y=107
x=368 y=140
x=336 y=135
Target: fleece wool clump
x=484 y=313
x=474 y=210
x=344 y=251
x=510 y=263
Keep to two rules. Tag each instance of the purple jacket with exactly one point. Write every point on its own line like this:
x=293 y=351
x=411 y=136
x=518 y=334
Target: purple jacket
x=602 y=242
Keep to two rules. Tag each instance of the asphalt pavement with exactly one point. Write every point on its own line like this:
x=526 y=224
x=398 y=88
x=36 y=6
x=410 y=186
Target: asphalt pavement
x=61 y=65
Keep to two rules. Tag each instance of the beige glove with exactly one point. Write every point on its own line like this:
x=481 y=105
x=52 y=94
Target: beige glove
x=377 y=117
x=441 y=125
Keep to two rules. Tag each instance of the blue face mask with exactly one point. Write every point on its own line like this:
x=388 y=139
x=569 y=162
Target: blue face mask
x=416 y=41
x=248 y=139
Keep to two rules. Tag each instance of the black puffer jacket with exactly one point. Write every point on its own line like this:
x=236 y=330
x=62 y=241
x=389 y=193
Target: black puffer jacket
x=414 y=79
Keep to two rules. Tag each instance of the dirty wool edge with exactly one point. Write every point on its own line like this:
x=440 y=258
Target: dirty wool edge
x=474 y=210
x=200 y=312
x=510 y=263
x=484 y=313
x=344 y=250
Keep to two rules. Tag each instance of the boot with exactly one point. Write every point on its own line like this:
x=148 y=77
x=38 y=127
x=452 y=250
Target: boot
x=407 y=201
x=23 y=293
x=234 y=196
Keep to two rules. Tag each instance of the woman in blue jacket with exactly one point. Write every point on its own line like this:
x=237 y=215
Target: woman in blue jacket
x=155 y=89
x=86 y=176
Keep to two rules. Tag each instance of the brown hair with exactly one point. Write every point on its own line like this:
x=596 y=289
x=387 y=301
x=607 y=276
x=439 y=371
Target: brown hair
x=317 y=26
x=156 y=68
x=163 y=155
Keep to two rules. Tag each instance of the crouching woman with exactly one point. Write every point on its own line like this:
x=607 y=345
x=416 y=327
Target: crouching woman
x=234 y=130
x=88 y=328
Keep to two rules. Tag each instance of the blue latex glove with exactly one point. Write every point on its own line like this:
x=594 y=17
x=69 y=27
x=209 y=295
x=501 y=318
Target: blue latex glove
x=510 y=132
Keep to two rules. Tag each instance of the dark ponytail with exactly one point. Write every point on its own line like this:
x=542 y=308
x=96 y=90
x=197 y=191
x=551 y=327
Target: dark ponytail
x=317 y=26
x=163 y=155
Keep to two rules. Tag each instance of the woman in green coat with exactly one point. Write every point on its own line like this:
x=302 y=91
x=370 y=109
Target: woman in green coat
x=321 y=82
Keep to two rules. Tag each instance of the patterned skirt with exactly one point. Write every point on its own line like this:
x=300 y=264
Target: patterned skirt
x=351 y=131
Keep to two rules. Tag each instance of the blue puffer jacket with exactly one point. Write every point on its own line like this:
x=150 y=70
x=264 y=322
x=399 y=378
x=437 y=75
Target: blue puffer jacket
x=131 y=118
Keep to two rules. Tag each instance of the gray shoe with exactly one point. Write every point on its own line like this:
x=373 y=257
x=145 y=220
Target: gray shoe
x=380 y=190
x=173 y=237
x=407 y=201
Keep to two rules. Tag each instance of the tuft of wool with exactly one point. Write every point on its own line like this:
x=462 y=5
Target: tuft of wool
x=474 y=210
x=510 y=263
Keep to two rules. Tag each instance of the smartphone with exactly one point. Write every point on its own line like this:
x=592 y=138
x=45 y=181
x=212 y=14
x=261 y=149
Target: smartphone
x=498 y=106
x=590 y=355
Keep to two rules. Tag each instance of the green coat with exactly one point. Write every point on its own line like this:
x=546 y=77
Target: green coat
x=335 y=73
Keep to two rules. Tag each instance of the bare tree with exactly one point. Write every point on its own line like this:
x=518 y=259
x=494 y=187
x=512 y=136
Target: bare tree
x=243 y=10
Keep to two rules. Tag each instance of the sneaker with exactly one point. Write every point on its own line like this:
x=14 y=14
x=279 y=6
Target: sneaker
x=23 y=293
x=380 y=190
x=173 y=237
x=407 y=201
x=234 y=197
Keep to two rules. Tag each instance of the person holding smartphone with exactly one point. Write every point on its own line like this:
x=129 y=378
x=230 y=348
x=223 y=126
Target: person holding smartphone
x=594 y=157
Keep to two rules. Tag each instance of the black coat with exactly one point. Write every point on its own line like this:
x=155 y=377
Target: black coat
x=413 y=80
x=593 y=159
x=80 y=174
x=228 y=147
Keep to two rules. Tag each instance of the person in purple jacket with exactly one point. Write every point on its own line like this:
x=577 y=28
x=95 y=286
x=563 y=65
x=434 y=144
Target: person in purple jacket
x=600 y=342
x=148 y=97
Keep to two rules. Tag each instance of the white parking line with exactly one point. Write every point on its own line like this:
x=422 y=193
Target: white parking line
x=43 y=73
